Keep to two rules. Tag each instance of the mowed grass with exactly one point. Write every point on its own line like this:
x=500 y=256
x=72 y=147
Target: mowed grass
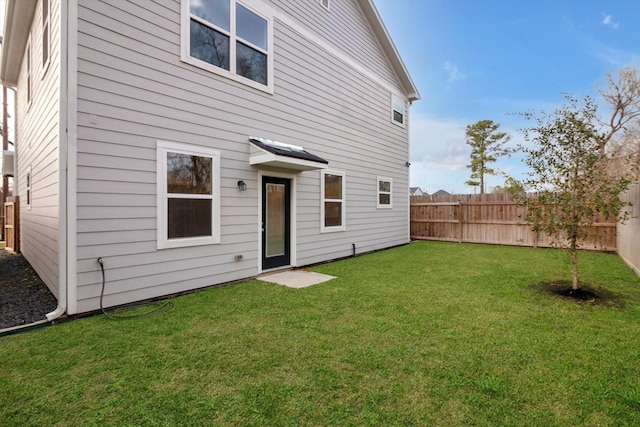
x=425 y=334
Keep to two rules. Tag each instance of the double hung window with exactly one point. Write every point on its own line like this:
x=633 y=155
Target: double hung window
x=45 y=34
x=231 y=38
x=29 y=73
x=397 y=110
x=28 y=187
x=188 y=195
x=332 y=191
x=385 y=188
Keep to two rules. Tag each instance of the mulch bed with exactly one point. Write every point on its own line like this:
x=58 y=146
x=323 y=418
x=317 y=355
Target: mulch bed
x=24 y=298
x=585 y=294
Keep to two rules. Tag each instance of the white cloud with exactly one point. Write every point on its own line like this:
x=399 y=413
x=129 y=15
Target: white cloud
x=439 y=155
x=453 y=72
x=613 y=57
x=609 y=22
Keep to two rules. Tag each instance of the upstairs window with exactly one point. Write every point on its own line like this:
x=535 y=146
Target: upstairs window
x=385 y=188
x=230 y=38
x=28 y=187
x=188 y=195
x=45 y=34
x=397 y=110
x=332 y=213
x=29 y=76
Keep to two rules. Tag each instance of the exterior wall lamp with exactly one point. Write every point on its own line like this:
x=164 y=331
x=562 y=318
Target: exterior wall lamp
x=242 y=186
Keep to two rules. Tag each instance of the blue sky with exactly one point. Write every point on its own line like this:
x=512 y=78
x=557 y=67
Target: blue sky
x=483 y=59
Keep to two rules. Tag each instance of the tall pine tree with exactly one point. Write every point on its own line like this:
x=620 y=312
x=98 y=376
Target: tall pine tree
x=487 y=144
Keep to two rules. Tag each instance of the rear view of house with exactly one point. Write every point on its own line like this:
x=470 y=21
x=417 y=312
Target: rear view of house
x=189 y=143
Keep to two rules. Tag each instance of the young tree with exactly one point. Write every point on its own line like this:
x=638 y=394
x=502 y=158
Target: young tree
x=571 y=183
x=487 y=144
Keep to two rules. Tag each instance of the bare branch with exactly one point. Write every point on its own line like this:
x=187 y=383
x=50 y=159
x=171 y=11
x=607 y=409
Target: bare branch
x=622 y=93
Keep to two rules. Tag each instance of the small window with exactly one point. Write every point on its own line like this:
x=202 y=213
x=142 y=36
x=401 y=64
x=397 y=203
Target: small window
x=332 y=211
x=229 y=38
x=29 y=77
x=325 y=3
x=28 y=187
x=385 y=188
x=397 y=110
x=45 y=34
x=188 y=195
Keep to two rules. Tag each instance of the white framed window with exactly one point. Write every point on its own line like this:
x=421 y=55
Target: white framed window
x=28 y=187
x=325 y=4
x=232 y=38
x=29 y=73
x=188 y=180
x=398 y=110
x=332 y=203
x=385 y=191
x=46 y=34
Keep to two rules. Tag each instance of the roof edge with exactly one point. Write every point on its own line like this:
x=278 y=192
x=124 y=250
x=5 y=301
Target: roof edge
x=18 y=15
x=390 y=49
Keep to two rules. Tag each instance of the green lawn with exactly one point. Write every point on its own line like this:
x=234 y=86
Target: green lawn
x=425 y=334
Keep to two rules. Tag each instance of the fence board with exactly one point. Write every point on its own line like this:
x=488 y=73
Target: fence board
x=629 y=233
x=491 y=219
x=12 y=224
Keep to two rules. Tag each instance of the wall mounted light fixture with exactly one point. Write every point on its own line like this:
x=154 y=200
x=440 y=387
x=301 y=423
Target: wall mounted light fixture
x=242 y=186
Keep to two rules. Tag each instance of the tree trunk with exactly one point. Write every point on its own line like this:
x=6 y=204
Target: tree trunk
x=574 y=264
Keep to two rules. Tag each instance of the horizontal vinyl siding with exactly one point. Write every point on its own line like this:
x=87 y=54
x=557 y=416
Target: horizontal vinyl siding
x=343 y=26
x=133 y=90
x=37 y=146
x=348 y=123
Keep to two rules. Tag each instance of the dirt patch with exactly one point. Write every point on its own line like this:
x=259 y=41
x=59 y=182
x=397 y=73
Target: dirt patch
x=24 y=298
x=585 y=294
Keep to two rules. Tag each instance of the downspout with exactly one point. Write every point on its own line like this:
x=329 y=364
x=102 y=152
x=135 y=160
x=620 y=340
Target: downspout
x=62 y=165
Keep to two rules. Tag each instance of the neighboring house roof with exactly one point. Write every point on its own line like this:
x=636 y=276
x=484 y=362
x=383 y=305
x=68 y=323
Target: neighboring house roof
x=416 y=191
x=441 y=193
x=18 y=15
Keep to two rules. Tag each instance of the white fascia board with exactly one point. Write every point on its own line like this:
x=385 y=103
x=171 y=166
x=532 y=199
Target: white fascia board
x=390 y=49
x=273 y=160
x=18 y=15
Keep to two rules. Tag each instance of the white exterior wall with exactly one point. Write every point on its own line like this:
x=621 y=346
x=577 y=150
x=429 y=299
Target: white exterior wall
x=37 y=150
x=133 y=90
x=345 y=28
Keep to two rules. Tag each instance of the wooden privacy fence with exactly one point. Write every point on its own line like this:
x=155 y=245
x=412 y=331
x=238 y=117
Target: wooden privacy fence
x=629 y=233
x=12 y=224
x=488 y=218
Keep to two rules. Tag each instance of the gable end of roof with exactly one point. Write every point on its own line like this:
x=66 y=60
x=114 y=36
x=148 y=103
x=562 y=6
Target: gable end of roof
x=371 y=13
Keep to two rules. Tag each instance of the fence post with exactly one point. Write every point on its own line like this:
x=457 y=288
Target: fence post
x=460 y=217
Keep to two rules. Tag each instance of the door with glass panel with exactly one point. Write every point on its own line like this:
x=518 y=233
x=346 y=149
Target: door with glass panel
x=276 y=222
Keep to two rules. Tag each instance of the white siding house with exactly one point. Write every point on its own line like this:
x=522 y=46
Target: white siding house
x=190 y=143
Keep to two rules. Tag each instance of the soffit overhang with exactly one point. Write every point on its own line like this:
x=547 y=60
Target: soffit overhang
x=18 y=15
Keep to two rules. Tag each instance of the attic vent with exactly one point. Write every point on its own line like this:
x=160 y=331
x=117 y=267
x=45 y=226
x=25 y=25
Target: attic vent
x=325 y=3
x=7 y=163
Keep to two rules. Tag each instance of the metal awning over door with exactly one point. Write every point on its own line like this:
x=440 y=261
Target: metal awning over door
x=265 y=152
